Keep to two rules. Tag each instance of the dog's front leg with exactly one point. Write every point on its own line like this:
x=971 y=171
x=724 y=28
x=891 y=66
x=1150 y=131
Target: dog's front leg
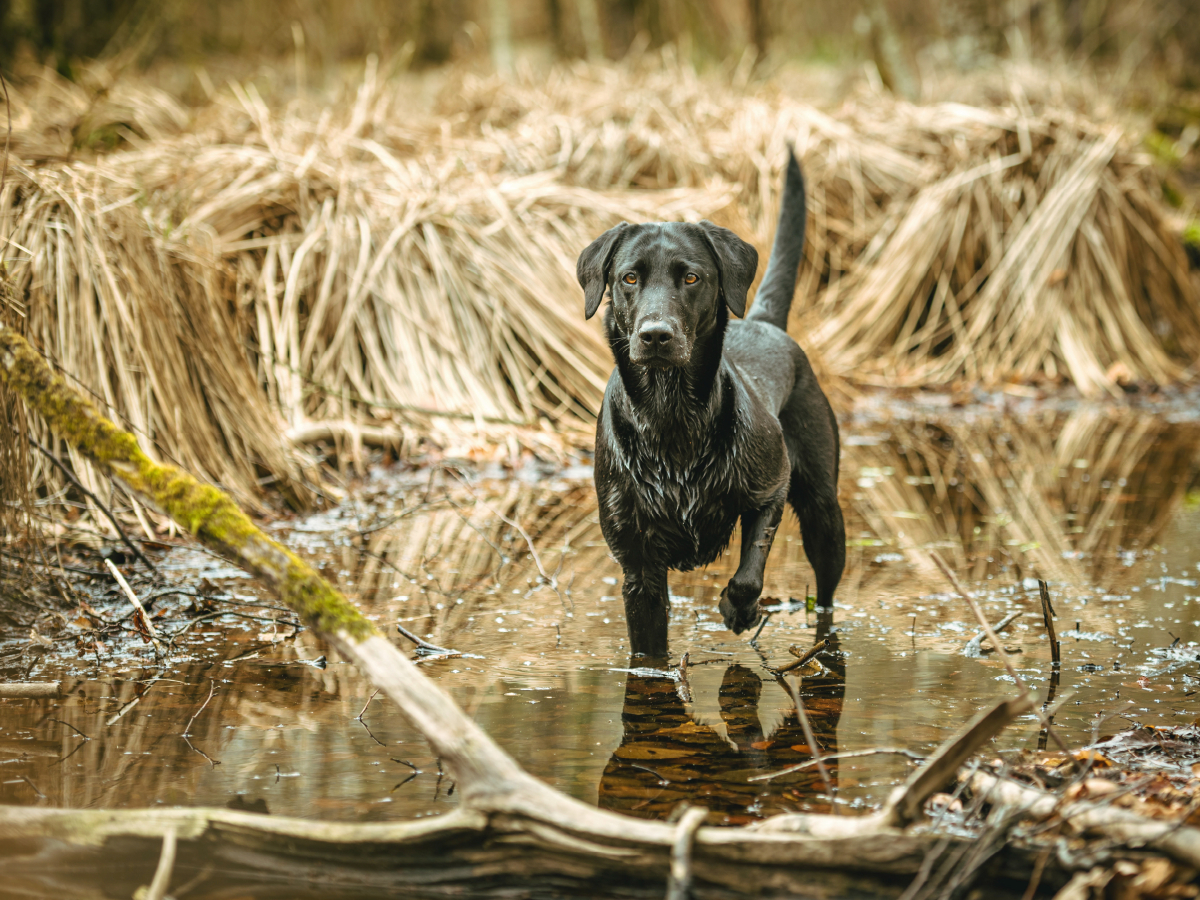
x=647 y=608
x=739 y=600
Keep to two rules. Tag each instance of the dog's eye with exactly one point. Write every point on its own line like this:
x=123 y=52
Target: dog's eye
x=690 y=278
x=630 y=278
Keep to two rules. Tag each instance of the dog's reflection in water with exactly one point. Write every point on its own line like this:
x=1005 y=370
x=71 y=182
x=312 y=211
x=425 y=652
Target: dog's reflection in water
x=666 y=757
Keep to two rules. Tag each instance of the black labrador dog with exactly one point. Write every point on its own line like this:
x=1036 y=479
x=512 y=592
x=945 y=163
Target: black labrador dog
x=705 y=420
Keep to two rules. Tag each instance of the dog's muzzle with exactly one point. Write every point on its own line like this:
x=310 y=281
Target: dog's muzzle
x=658 y=344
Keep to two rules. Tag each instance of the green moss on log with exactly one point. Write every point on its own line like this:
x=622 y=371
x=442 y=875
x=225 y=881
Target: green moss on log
x=206 y=512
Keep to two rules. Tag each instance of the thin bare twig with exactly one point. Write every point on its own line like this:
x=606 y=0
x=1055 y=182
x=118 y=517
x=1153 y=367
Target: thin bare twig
x=365 y=705
x=1048 y=617
x=212 y=687
x=69 y=725
x=547 y=578
x=849 y=754
x=423 y=646
x=137 y=605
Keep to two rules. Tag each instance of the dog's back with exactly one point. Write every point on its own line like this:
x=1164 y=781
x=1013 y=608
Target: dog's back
x=758 y=345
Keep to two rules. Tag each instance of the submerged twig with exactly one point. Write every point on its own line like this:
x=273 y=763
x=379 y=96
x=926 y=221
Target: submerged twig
x=212 y=686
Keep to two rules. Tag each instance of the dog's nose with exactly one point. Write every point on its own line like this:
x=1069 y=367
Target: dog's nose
x=654 y=334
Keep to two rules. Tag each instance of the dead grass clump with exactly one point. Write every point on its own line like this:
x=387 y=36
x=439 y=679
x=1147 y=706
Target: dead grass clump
x=366 y=262
x=138 y=316
x=1017 y=241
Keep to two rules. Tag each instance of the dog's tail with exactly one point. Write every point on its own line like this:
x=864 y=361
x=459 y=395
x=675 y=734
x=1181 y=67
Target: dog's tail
x=774 y=297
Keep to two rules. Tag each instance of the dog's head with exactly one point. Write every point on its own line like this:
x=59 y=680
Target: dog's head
x=668 y=282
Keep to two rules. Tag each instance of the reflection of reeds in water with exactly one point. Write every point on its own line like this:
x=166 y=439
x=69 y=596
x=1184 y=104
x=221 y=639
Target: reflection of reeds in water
x=466 y=545
x=1055 y=495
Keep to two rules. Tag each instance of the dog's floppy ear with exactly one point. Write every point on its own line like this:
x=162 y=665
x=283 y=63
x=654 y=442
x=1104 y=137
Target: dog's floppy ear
x=592 y=268
x=737 y=262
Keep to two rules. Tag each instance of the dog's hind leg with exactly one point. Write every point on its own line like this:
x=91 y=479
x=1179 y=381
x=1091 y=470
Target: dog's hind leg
x=810 y=430
x=824 y=536
x=739 y=600
x=647 y=610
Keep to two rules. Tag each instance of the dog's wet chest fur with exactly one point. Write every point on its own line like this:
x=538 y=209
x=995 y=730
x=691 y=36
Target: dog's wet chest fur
x=691 y=487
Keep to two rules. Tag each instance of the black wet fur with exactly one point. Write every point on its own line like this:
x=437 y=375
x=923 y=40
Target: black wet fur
x=707 y=421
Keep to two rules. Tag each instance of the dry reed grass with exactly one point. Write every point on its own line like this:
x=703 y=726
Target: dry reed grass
x=262 y=269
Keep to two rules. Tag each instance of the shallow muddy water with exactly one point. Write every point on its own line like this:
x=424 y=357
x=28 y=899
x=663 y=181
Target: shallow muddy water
x=513 y=573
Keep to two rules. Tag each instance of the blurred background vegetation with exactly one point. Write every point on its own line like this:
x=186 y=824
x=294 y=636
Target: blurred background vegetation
x=900 y=36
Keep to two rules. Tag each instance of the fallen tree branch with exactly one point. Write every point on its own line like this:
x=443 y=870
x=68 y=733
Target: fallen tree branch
x=1180 y=842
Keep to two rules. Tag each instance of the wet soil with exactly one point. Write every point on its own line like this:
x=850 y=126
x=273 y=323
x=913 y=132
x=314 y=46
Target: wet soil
x=510 y=569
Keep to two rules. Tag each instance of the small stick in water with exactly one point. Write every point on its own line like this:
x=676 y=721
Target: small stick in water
x=761 y=625
x=365 y=705
x=803 y=657
x=423 y=646
x=682 y=687
x=813 y=748
x=137 y=605
x=975 y=645
x=1048 y=615
x=212 y=686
